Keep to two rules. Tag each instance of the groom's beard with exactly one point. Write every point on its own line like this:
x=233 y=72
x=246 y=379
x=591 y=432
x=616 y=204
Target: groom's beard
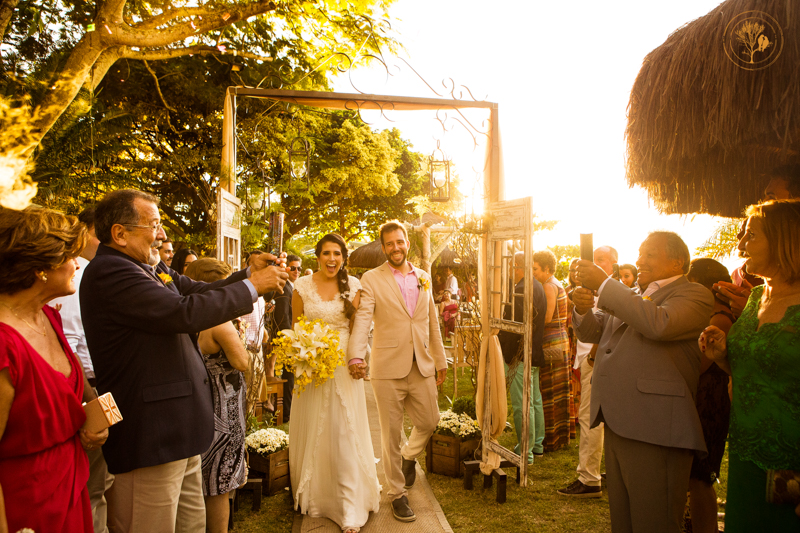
x=399 y=264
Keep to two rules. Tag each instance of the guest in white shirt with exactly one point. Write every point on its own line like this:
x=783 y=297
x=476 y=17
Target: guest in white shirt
x=100 y=480
x=451 y=283
x=590 y=445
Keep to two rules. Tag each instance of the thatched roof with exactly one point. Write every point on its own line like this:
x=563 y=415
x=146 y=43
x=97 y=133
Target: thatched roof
x=448 y=258
x=370 y=256
x=430 y=218
x=703 y=132
x=367 y=256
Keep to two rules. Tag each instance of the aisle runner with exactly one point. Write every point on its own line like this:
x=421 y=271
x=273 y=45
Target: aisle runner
x=430 y=517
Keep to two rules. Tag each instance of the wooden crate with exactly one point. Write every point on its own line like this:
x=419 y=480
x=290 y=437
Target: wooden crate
x=445 y=455
x=274 y=468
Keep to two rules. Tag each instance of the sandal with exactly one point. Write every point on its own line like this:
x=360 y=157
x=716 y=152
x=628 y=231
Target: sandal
x=351 y=529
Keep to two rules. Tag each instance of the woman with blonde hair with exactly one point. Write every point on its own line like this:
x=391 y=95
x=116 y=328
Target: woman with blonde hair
x=761 y=353
x=43 y=466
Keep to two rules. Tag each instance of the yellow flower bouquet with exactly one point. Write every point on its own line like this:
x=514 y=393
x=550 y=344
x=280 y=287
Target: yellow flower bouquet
x=310 y=351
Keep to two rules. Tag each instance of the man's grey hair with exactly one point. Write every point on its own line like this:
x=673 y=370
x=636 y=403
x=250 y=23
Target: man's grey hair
x=117 y=208
x=676 y=248
x=609 y=250
x=519 y=259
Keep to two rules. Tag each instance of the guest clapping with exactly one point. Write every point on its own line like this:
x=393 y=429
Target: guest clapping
x=43 y=470
x=761 y=352
x=713 y=407
x=644 y=381
x=224 y=465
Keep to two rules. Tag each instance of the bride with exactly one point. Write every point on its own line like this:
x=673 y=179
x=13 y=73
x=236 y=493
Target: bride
x=331 y=459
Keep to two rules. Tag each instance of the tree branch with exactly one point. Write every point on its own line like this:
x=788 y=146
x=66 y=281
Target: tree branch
x=172 y=14
x=69 y=82
x=200 y=49
x=112 y=10
x=123 y=34
x=102 y=65
x=158 y=88
x=6 y=12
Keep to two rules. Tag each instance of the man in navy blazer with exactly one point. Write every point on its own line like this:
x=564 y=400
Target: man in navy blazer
x=138 y=315
x=645 y=379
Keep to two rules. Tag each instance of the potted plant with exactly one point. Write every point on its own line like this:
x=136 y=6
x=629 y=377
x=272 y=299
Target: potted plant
x=455 y=439
x=268 y=454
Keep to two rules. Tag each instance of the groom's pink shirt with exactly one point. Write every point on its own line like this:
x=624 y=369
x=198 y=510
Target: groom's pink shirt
x=409 y=288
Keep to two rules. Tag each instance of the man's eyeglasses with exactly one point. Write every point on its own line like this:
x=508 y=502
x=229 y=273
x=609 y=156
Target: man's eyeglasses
x=154 y=228
x=295 y=269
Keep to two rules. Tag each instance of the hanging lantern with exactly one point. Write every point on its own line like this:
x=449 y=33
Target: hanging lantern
x=439 y=169
x=299 y=158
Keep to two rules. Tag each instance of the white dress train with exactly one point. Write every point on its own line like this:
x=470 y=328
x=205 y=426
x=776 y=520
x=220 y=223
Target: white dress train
x=331 y=459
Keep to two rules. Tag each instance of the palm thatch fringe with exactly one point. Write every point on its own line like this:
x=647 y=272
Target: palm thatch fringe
x=367 y=256
x=370 y=256
x=703 y=132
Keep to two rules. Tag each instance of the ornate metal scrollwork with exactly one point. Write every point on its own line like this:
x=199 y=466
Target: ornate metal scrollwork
x=447 y=116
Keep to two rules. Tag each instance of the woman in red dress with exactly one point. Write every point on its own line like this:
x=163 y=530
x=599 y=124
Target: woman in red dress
x=43 y=466
x=449 y=311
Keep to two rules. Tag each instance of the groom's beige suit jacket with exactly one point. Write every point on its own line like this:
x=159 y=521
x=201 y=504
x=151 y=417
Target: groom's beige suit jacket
x=399 y=336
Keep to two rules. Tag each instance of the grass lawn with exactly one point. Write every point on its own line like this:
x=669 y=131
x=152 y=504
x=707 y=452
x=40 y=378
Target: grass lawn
x=536 y=507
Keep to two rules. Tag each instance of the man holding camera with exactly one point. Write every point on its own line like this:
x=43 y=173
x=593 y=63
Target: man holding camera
x=645 y=378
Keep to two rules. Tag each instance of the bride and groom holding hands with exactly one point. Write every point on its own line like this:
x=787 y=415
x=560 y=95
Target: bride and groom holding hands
x=331 y=456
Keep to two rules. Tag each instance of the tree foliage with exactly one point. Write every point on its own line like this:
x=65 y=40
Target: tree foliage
x=158 y=127
x=108 y=111
x=564 y=256
x=58 y=53
x=723 y=241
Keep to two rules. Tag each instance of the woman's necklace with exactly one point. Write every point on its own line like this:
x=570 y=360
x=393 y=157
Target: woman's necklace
x=43 y=333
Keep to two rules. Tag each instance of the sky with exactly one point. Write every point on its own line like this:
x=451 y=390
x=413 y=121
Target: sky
x=561 y=73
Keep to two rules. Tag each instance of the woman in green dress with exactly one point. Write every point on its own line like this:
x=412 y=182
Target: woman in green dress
x=762 y=353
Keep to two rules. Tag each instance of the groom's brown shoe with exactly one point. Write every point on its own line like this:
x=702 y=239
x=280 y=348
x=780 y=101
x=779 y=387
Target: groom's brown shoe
x=409 y=469
x=402 y=511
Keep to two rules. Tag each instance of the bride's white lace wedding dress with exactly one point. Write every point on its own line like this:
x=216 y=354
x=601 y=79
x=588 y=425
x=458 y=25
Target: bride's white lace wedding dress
x=331 y=459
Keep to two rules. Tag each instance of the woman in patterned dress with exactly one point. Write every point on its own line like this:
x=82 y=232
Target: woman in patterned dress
x=554 y=376
x=224 y=465
x=574 y=375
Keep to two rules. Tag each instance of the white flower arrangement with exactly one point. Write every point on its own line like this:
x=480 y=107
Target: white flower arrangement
x=456 y=425
x=267 y=441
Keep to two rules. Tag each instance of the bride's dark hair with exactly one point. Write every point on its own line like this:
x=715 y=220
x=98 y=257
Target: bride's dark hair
x=343 y=280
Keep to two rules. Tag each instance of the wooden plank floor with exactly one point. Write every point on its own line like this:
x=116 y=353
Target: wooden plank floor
x=430 y=518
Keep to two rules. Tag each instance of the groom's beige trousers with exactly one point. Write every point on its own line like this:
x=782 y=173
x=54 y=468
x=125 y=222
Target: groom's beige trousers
x=417 y=395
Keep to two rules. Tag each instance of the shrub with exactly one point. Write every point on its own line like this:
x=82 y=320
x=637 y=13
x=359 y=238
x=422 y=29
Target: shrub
x=465 y=405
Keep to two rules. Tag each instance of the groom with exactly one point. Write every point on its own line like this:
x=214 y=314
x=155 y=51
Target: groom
x=407 y=359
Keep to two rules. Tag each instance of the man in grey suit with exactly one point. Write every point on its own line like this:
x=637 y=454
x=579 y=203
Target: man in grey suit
x=645 y=378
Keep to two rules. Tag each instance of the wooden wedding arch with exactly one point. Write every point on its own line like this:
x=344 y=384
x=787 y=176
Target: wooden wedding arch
x=507 y=229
